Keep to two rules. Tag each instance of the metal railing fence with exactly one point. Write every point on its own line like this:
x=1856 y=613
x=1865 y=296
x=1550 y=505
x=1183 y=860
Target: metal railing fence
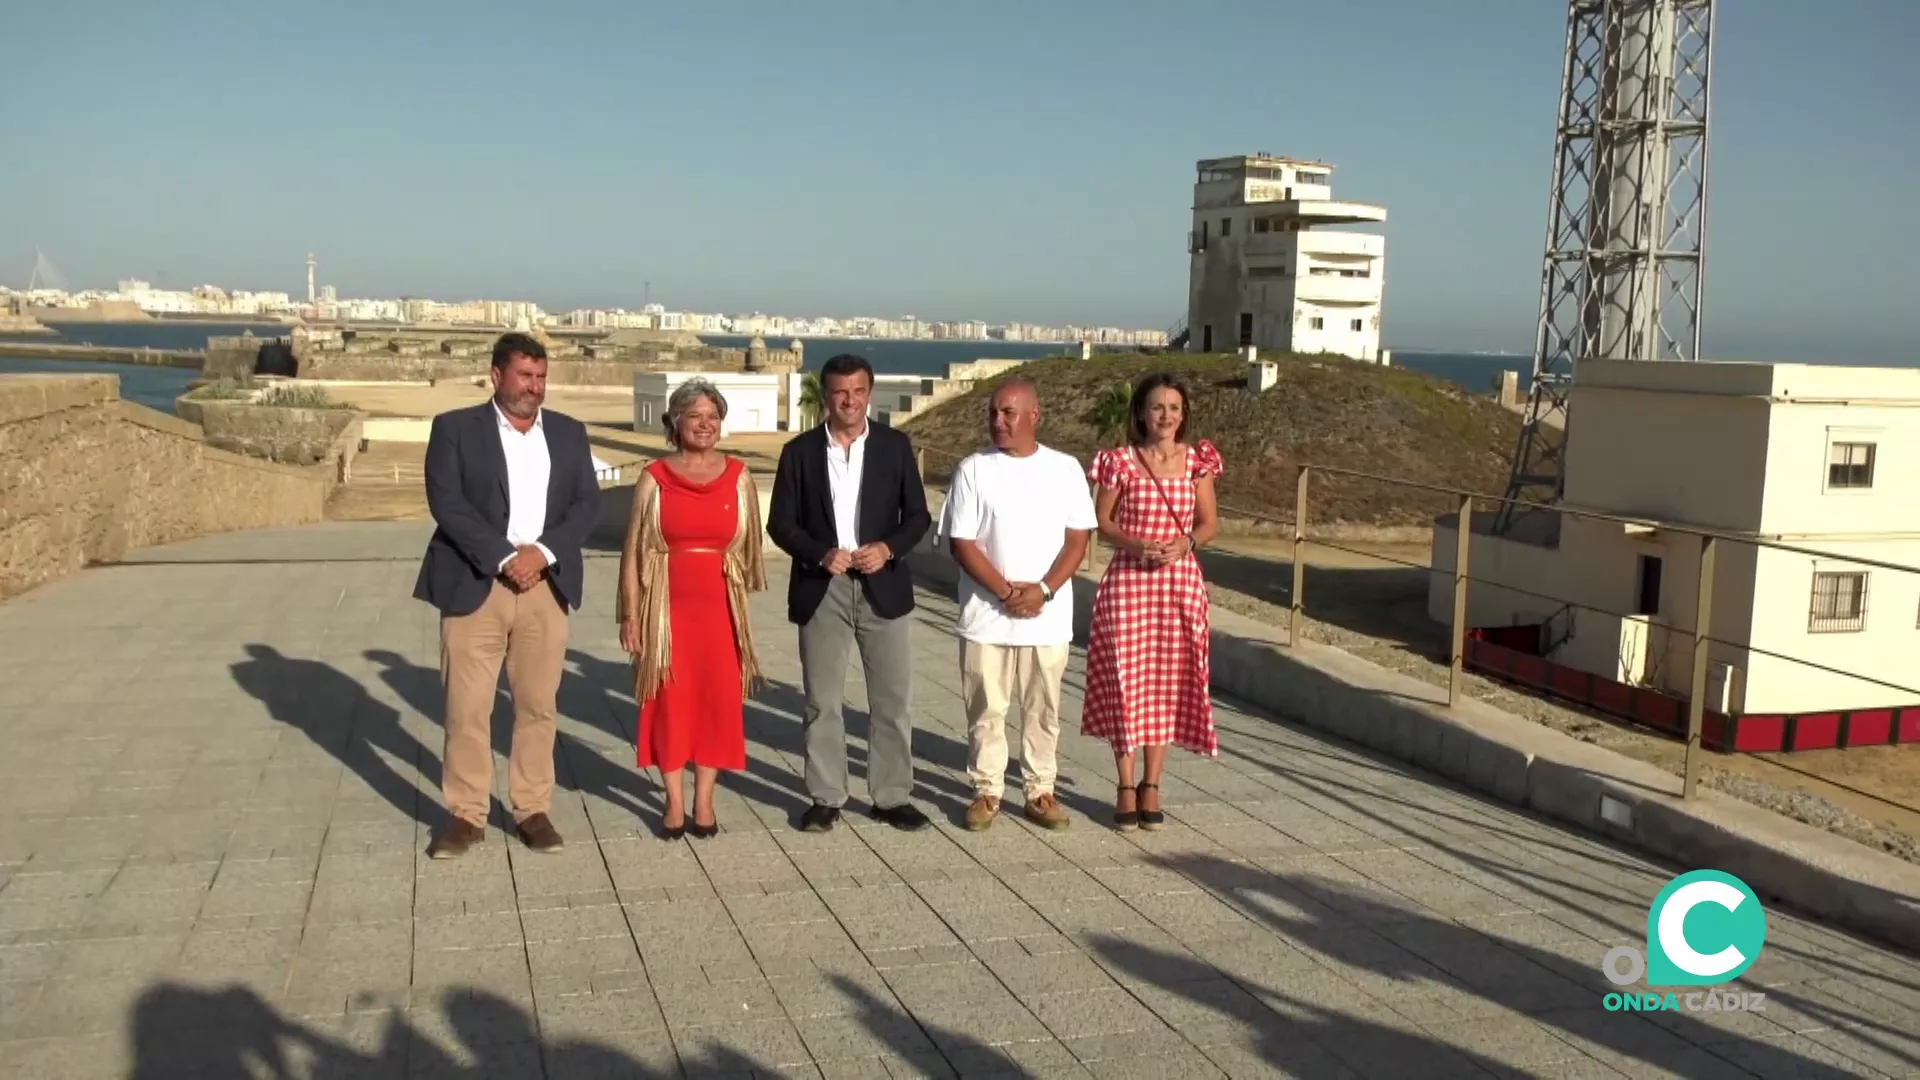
x=1846 y=603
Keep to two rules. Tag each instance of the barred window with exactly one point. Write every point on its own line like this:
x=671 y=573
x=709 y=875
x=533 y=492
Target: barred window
x=1839 y=603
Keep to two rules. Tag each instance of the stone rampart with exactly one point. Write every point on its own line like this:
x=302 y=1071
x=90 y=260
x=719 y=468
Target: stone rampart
x=86 y=478
x=246 y=355
x=418 y=354
x=11 y=323
x=291 y=436
x=439 y=367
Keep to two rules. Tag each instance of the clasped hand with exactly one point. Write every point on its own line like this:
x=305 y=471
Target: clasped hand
x=868 y=558
x=1025 y=601
x=1162 y=552
x=526 y=567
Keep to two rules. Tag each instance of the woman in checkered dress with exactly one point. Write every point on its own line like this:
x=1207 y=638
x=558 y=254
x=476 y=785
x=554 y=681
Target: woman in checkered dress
x=1147 y=651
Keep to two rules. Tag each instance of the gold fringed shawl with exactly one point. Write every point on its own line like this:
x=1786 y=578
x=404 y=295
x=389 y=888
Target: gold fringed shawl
x=643 y=584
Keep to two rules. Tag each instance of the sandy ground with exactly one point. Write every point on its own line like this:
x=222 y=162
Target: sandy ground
x=1356 y=600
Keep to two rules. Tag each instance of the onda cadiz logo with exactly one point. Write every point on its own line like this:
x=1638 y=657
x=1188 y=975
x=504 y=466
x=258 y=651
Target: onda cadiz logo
x=1705 y=928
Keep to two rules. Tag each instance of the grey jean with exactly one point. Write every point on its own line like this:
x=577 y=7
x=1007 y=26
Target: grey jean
x=845 y=619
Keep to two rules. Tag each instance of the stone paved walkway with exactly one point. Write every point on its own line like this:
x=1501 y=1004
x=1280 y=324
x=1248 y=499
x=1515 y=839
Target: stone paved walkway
x=220 y=771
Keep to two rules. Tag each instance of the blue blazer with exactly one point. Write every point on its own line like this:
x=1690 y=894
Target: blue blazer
x=467 y=495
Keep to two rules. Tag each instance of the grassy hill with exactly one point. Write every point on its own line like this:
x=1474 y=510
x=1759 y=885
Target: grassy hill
x=1323 y=411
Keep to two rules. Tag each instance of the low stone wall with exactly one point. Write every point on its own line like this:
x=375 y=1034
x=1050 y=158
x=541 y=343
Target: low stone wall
x=270 y=432
x=86 y=478
x=245 y=355
x=22 y=324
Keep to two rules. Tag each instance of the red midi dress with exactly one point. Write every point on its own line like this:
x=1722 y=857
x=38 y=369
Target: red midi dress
x=1148 y=654
x=695 y=718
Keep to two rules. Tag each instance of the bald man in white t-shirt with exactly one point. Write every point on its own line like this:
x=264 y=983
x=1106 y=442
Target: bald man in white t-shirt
x=1019 y=518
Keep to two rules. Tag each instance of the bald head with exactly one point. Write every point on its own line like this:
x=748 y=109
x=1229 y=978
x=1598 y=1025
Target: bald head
x=1013 y=416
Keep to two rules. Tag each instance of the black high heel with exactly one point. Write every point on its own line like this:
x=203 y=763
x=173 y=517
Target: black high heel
x=1126 y=820
x=673 y=832
x=704 y=832
x=1149 y=819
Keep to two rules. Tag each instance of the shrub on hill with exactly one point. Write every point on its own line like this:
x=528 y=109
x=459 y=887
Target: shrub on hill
x=1322 y=411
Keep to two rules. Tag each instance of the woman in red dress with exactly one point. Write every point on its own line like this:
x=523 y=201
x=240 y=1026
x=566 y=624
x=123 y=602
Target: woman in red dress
x=692 y=555
x=1148 y=647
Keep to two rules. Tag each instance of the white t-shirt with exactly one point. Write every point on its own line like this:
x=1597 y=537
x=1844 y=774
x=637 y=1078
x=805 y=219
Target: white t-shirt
x=1018 y=509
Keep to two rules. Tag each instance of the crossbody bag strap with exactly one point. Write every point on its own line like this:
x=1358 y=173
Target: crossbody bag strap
x=1171 y=512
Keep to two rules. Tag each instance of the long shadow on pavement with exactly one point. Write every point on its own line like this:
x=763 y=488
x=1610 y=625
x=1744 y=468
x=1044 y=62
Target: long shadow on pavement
x=1408 y=964
x=182 y=1032
x=773 y=722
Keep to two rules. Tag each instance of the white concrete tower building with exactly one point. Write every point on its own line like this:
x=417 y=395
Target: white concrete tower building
x=310 y=277
x=1265 y=273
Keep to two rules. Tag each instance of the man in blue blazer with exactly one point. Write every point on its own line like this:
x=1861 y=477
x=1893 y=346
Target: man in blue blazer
x=512 y=490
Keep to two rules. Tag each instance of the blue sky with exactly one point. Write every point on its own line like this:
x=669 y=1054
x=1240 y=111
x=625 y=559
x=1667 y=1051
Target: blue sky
x=987 y=159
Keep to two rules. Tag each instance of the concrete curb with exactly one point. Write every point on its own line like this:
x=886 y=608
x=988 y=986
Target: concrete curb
x=1525 y=764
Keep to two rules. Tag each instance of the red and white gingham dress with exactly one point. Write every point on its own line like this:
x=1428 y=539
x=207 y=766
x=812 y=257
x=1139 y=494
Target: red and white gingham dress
x=1147 y=649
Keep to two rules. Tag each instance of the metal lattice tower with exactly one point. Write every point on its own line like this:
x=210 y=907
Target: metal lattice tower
x=1626 y=221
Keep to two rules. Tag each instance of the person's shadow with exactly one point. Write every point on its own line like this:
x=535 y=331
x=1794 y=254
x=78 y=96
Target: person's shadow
x=181 y=1032
x=333 y=710
x=578 y=767
x=773 y=721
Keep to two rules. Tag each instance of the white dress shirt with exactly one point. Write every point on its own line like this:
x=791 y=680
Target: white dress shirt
x=529 y=467
x=844 y=468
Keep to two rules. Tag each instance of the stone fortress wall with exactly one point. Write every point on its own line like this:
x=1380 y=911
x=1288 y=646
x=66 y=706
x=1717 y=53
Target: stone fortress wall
x=86 y=477
x=421 y=354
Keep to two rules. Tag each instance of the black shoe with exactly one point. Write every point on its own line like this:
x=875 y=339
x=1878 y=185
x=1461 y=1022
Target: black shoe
x=819 y=818
x=906 y=817
x=1149 y=819
x=703 y=832
x=673 y=832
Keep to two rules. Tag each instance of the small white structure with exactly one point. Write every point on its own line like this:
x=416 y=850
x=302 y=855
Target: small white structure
x=753 y=400
x=1264 y=273
x=795 y=385
x=1824 y=458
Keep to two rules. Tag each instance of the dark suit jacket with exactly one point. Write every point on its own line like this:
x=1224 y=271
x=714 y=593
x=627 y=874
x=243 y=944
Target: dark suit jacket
x=467 y=494
x=893 y=511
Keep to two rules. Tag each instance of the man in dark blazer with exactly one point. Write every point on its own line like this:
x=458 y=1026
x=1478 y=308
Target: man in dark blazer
x=848 y=506
x=512 y=490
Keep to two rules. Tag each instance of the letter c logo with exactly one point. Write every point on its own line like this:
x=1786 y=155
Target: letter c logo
x=1705 y=928
x=1673 y=928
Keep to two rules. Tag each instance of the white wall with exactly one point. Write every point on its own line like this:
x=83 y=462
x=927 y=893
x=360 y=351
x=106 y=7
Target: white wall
x=1799 y=498
x=753 y=400
x=1886 y=645
x=1742 y=449
x=1685 y=457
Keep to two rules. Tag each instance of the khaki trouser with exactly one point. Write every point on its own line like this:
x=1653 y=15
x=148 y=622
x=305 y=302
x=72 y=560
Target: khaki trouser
x=993 y=677
x=529 y=631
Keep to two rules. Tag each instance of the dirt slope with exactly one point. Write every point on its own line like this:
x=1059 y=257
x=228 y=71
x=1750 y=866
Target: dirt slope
x=1323 y=411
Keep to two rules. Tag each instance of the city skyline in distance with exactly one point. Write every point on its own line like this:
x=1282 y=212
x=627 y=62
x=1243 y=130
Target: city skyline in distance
x=321 y=300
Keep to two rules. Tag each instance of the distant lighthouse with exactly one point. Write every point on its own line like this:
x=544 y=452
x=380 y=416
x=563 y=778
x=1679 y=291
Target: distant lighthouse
x=309 y=277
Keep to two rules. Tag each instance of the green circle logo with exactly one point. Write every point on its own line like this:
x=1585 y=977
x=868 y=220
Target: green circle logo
x=1705 y=928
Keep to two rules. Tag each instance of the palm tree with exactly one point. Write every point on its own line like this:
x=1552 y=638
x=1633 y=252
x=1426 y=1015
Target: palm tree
x=1112 y=409
x=812 y=400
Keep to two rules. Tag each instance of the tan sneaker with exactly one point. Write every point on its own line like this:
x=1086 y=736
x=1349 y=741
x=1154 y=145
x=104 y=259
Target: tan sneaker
x=1045 y=811
x=981 y=814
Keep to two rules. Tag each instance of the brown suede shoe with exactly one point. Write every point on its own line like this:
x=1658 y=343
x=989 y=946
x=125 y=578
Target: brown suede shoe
x=540 y=835
x=981 y=814
x=1045 y=811
x=455 y=838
